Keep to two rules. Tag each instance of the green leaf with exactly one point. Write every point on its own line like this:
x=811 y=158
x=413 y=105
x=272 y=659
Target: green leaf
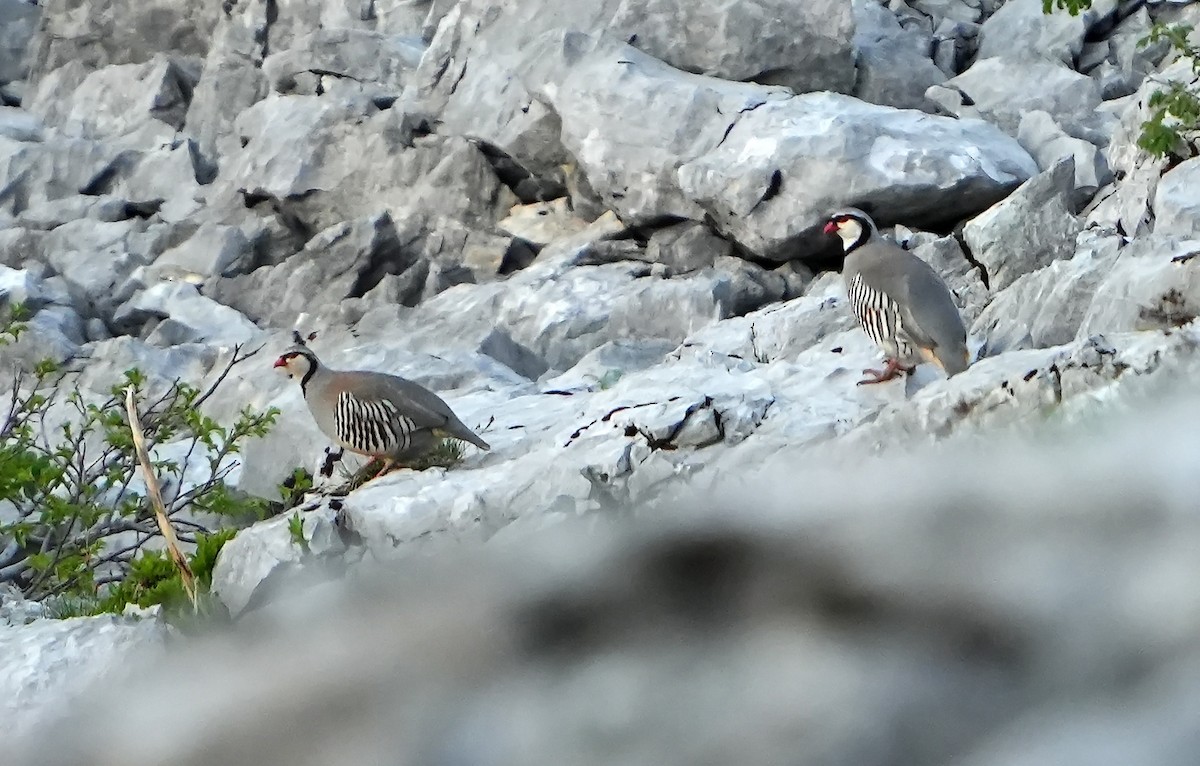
x=296 y=530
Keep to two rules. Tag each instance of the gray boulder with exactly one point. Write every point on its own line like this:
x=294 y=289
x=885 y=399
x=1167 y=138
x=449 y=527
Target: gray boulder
x=1177 y=201
x=340 y=40
x=780 y=170
x=214 y=250
x=345 y=261
x=1120 y=63
x=14 y=608
x=561 y=315
x=1155 y=285
x=53 y=331
x=49 y=663
x=325 y=161
x=1047 y=307
x=686 y=247
x=18 y=20
x=806 y=47
x=894 y=64
x=175 y=313
x=96 y=259
x=764 y=166
x=969 y=11
x=1026 y=231
x=1049 y=144
x=1001 y=90
x=1021 y=29
x=19 y=125
x=46 y=215
x=233 y=80
x=269 y=551
x=34 y=170
x=371 y=62
x=147 y=99
x=98 y=33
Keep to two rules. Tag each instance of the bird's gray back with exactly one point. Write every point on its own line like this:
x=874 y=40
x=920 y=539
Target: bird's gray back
x=928 y=313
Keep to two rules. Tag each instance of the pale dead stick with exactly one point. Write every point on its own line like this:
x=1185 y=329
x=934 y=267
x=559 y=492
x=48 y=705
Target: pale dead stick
x=156 y=501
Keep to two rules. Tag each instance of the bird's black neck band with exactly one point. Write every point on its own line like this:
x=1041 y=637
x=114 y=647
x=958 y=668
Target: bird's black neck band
x=863 y=236
x=312 y=368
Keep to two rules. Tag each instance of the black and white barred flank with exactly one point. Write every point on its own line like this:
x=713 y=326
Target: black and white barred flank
x=878 y=315
x=372 y=426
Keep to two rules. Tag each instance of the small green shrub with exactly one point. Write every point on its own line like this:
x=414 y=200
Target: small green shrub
x=1072 y=7
x=1174 y=107
x=296 y=531
x=81 y=535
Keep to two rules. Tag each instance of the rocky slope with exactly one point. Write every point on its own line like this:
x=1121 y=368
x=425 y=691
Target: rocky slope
x=593 y=227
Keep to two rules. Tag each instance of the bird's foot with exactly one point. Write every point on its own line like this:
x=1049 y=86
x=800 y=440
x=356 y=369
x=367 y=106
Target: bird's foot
x=387 y=467
x=892 y=369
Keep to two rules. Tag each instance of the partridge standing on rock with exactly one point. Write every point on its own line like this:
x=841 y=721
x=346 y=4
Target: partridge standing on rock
x=383 y=416
x=899 y=301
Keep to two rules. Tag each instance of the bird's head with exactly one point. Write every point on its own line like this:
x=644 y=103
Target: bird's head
x=851 y=224
x=298 y=360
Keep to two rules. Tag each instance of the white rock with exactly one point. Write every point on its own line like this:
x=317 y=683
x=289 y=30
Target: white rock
x=765 y=166
x=267 y=550
x=1177 y=201
x=1003 y=89
x=49 y=663
x=187 y=316
x=1031 y=228
x=1020 y=28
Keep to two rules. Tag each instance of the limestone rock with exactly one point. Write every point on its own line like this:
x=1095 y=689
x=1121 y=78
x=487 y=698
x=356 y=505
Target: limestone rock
x=18 y=19
x=894 y=64
x=1031 y=228
x=1155 y=284
x=1047 y=307
x=805 y=47
x=49 y=663
x=150 y=99
x=1002 y=89
x=345 y=261
x=1177 y=201
x=1020 y=28
x=1049 y=144
x=178 y=314
x=324 y=59
x=98 y=33
x=745 y=147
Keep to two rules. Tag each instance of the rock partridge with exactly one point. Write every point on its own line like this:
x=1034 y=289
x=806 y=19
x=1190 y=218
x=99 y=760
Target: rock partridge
x=389 y=418
x=899 y=301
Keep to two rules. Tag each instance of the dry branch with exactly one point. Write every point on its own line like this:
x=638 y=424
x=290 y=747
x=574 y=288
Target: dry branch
x=156 y=501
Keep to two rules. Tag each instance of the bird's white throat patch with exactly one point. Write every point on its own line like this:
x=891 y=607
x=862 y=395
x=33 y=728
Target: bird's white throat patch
x=849 y=231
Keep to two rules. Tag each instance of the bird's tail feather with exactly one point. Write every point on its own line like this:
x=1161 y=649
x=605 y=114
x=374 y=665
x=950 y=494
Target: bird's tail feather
x=460 y=431
x=951 y=363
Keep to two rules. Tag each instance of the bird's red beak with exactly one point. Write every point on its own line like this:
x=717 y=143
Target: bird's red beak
x=280 y=362
x=831 y=228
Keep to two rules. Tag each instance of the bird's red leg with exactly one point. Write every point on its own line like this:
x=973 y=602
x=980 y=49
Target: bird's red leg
x=891 y=370
x=389 y=465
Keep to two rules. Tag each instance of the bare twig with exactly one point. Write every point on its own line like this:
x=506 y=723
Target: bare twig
x=234 y=359
x=160 y=511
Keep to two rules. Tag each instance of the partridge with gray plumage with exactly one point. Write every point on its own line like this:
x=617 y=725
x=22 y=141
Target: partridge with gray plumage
x=899 y=301
x=383 y=416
